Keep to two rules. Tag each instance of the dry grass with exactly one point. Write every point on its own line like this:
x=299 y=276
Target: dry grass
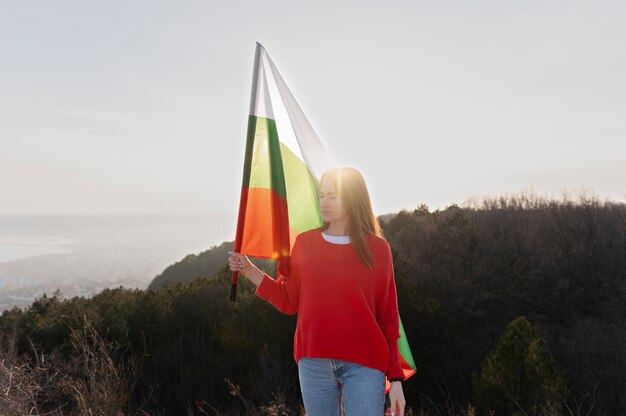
x=93 y=383
x=97 y=384
x=104 y=385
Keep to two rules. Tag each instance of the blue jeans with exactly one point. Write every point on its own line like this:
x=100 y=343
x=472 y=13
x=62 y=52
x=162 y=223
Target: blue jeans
x=323 y=380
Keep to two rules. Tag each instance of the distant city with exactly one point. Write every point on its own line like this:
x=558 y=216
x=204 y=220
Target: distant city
x=82 y=255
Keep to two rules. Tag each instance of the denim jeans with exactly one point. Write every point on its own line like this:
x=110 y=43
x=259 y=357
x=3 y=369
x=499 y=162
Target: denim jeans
x=322 y=380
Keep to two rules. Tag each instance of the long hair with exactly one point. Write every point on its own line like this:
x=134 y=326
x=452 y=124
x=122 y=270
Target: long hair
x=352 y=190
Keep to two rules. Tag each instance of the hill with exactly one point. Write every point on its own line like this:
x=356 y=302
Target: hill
x=193 y=266
x=206 y=264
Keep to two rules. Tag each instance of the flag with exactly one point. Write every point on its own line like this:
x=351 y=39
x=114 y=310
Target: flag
x=284 y=160
x=284 y=157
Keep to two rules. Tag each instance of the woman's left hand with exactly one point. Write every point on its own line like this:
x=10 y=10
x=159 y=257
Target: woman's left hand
x=396 y=397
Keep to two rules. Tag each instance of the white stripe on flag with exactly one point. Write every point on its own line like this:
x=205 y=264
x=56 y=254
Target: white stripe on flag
x=294 y=130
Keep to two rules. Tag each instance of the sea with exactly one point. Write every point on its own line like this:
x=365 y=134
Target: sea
x=80 y=255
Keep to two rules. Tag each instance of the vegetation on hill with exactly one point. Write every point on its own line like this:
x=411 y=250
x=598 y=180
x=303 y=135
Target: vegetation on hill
x=519 y=376
x=207 y=263
x=514 y=305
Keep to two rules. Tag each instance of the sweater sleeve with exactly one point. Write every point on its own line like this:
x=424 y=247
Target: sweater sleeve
x=389 y=318
x=284 y=292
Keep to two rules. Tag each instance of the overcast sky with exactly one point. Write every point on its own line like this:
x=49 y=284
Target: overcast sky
x=132 y=107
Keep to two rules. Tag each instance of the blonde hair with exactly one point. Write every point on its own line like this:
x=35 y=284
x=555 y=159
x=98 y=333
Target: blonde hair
x=352 y=190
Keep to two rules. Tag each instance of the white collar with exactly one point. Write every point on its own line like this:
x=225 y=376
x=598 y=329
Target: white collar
x=336 y=239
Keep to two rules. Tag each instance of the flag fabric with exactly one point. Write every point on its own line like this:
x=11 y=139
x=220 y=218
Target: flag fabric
x=284 y=160
x=406 y=357
x=283 y=163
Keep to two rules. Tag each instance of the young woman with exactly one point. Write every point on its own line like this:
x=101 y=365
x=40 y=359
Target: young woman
x=342 y=287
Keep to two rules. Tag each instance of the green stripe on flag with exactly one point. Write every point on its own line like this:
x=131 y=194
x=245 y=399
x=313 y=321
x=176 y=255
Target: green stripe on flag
x=274 y=166
x=266 y=162
x=302 y=193
x=403 y=346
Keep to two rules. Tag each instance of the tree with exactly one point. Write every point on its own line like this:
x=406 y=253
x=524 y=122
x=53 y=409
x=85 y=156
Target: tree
x=519 y=377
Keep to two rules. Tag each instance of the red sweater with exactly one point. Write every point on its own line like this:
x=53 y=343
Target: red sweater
x=345 y=311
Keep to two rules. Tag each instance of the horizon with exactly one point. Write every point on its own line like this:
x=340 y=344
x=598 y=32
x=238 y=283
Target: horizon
x=575 y=195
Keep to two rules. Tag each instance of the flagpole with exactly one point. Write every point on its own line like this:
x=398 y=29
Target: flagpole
x=233 y=286
x=243 y=200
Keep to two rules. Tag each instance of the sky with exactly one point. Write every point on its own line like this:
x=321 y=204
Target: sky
x=140 y=107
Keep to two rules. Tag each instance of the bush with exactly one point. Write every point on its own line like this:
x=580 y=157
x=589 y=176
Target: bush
x=519 y=377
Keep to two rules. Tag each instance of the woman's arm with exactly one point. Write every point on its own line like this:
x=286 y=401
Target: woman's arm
x=389 y=321
x=388 y=317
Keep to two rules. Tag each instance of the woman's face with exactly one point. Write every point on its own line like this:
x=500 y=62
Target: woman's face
x=331 y=204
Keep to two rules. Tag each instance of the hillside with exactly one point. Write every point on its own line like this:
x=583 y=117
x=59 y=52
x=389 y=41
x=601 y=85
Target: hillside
x=206 y=264
x=193 y=266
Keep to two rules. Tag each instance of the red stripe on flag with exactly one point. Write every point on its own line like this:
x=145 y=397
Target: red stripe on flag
x=266 y=233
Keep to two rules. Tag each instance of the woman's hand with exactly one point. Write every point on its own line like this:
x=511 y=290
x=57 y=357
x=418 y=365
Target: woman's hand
x=240 y=263
x=396 y=397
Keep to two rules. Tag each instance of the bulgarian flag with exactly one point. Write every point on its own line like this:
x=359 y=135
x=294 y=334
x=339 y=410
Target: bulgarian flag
x=284 y=161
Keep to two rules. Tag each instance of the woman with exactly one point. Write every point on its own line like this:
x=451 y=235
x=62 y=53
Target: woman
x=341 y=284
